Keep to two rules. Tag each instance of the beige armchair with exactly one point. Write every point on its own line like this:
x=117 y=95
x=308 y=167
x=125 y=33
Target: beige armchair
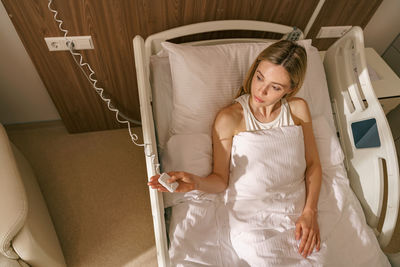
x=27 y=235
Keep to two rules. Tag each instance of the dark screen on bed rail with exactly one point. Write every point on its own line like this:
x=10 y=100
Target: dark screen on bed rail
x=365 y=134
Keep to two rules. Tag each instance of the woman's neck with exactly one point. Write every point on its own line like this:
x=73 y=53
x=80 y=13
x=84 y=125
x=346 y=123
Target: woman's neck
x=265 y=113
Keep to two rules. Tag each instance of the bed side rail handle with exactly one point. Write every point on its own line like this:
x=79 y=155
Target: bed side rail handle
x=388 y=151
x=348 y=79
x=157 y=205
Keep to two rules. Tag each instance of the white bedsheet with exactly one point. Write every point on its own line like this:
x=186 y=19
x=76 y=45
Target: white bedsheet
x=254 y=224
x=199 y=235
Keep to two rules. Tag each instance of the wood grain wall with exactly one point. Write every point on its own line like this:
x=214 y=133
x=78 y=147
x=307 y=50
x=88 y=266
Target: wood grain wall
x=342 y=12
x=113 y=24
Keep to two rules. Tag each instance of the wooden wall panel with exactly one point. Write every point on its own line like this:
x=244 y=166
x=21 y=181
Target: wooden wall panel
x=342 y=13
x=112 y=59
x=113 y=24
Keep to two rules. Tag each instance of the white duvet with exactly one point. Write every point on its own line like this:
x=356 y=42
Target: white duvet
x=253 y=223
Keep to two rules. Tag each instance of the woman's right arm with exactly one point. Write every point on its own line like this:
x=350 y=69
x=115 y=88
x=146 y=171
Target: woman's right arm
x=223 y=131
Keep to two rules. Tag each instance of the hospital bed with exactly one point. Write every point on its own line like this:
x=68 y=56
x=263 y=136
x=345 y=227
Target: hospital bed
x=369 y=157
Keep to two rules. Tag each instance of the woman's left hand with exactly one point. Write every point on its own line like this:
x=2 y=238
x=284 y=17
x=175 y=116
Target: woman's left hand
x=307 y=229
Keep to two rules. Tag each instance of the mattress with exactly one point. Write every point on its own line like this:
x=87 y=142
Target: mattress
x=199 y=230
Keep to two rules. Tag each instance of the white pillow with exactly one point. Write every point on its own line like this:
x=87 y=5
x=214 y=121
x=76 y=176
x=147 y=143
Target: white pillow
x=206 y=78
x=161 y=85
x=314 y=90
x=329 y=149
x=190 y=153
x=315 y=87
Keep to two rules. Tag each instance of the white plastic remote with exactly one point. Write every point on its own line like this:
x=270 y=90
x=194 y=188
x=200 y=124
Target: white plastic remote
x=163 y=180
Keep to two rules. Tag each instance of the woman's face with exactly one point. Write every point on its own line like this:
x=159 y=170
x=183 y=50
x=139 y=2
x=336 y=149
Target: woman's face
x=269 y=84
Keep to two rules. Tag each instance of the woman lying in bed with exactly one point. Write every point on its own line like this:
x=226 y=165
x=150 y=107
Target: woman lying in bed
x=266 y=208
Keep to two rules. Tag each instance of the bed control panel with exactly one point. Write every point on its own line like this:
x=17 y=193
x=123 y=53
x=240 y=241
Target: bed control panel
x=365 y=134
x=294 y=35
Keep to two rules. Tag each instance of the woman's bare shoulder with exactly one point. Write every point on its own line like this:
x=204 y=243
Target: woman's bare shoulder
x=299 y=108
x=232 y=112
x=228 y=120
x=298 y=101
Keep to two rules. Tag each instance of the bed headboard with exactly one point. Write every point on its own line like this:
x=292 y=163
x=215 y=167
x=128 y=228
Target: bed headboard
x=153 y=42
x=373 y=171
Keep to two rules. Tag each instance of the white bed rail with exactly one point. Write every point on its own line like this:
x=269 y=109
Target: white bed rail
x=368 y=168
x=153 y=42
x=150 y=149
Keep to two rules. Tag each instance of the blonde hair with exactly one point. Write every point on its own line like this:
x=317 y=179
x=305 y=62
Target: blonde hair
x=286 y=53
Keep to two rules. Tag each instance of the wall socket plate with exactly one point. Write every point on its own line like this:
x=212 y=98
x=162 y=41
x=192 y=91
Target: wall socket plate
x=332 y=31
x=60 y=43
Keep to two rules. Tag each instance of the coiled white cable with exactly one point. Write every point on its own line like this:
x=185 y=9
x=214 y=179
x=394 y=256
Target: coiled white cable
x=93 y=81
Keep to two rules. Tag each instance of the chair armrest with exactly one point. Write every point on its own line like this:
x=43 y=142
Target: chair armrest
x=13 y=201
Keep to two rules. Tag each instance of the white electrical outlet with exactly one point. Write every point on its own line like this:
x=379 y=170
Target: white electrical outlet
x=332 y=31
x=60 y=43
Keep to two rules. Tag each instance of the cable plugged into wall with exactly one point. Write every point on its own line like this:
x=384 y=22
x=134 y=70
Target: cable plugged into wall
x=72 y=45
x=62 y=44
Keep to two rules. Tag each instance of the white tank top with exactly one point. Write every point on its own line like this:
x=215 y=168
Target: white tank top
x=252 y=124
